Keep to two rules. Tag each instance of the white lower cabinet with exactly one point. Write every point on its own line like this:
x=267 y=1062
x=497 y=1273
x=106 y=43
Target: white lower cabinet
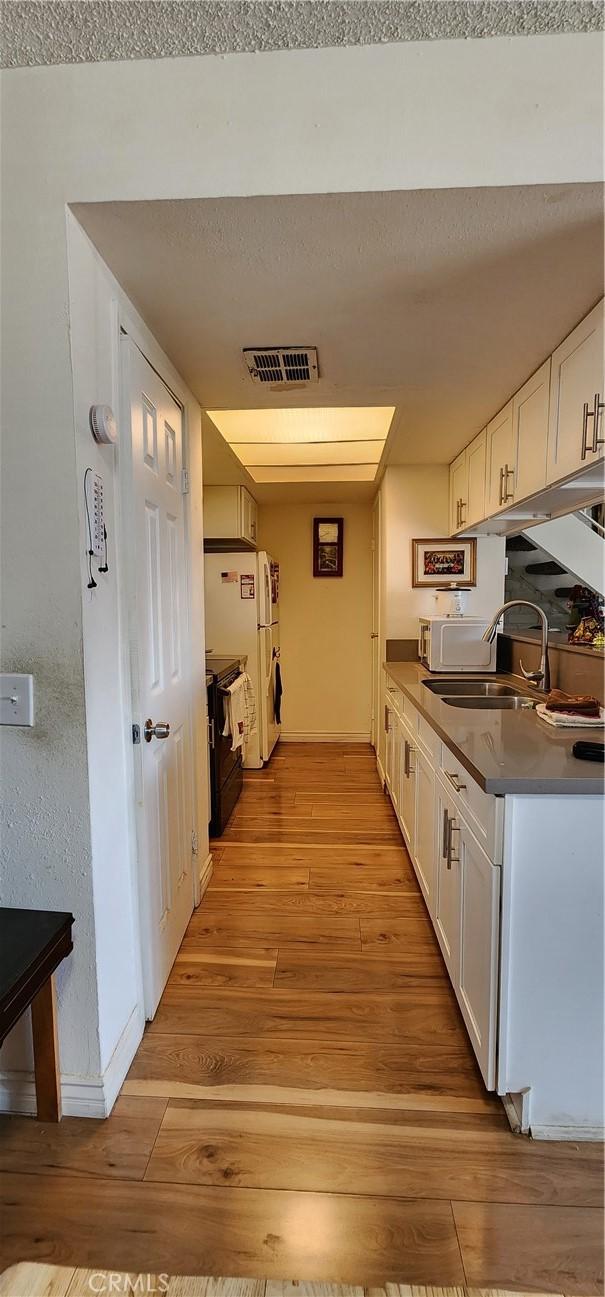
x=425 y=859
x=447 y=900
x=406 y=809
x=389 y=730
x=459 y=882
x=477 y=986
x=467 y=923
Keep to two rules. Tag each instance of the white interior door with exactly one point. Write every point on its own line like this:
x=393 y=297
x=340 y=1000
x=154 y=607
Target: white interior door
x=161 y=674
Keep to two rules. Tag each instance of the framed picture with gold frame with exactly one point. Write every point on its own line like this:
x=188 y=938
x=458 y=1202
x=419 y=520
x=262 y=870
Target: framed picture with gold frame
x=449 y=562
x=328 y=546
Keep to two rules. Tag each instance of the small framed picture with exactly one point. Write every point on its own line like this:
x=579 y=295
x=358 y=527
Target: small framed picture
x=327 y=546
x=444 y=562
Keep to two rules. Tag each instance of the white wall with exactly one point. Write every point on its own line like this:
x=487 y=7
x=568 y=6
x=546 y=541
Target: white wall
x=325 y=623
x=415 y=505
x=385 y=117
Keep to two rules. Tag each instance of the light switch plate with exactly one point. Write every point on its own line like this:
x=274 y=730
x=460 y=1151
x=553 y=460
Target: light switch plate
x=16 y=699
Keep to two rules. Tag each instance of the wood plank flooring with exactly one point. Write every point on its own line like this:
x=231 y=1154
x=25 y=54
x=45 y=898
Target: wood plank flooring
x=305 y=1104
x=37 y=1280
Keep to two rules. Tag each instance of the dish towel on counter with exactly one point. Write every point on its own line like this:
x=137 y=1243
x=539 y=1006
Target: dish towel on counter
x=240 y=711
x=572 y=704
x=569 y=721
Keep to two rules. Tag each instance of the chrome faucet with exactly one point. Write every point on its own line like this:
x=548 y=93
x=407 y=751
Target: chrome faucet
x=541 y=677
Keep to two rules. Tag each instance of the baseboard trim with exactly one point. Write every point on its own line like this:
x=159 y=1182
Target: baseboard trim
x=81 y=1096
x=573 y=1133
x=206 y=874
x=381 y=775
x=323 y=736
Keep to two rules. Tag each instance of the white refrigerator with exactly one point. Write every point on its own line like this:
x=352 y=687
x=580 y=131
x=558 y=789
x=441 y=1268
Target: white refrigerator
x=242 y=619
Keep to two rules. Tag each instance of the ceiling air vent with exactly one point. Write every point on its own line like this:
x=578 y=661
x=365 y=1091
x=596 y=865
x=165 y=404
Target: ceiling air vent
x=282 y=366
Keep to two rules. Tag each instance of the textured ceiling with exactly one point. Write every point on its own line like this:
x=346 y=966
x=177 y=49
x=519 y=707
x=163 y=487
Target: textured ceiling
x=88 y=31
x=440 y=302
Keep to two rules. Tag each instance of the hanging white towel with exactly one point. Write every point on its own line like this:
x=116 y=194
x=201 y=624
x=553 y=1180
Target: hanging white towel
x=250 y=706
x=240 y=711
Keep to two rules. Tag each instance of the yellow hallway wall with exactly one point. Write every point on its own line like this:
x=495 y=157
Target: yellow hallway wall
x=325 y=622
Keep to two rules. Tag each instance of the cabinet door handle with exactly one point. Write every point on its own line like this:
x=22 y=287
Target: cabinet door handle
x=452 y=860
x=406 y=758
x=500 y=500
x=446 y=835
x=599 y=406
x=454 y=780
x=462 y=506
x=586 y=414
x=508 y=472
x=386 y=719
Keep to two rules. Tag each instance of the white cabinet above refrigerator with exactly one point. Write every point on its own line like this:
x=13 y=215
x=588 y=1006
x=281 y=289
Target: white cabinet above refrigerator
x=230 y=519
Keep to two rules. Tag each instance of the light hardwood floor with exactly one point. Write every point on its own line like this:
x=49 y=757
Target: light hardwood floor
x=305 y=1104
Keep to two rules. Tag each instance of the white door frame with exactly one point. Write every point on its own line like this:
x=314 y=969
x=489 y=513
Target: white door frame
x=125 y=324
x=376 y=629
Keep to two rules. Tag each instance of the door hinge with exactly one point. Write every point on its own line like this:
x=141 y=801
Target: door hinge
x=136 y=733
x=194 y=842
x=184 y=481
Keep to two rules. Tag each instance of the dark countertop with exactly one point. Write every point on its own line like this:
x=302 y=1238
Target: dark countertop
x=505 y=751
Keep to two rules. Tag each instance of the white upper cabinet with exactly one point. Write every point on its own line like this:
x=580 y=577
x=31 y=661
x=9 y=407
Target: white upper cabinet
x=458 y=492
x=249 y=516
x=553 y=429
x=530 y=433
x=499 y=471
x=475 y=494
x=576 y=433
x=230 y=519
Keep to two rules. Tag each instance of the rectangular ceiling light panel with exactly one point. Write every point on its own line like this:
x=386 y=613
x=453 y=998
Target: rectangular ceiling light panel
x=328 y=444
x=316 y=473
x=325 y=452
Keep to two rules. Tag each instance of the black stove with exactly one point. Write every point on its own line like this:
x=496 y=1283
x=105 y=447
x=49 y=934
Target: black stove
x=226 y=774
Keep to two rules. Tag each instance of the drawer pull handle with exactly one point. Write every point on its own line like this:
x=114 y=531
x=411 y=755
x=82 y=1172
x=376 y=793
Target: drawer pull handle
x=454 y=780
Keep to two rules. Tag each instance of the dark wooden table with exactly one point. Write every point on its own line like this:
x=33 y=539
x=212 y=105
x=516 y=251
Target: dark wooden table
x=32 y=945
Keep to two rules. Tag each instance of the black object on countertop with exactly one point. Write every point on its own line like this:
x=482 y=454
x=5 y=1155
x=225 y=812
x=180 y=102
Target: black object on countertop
x=32 y=945
x=589 y=750
x=226 y=771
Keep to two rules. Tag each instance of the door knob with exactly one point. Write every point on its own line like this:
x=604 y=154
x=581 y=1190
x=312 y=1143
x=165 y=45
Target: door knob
x=160 y=730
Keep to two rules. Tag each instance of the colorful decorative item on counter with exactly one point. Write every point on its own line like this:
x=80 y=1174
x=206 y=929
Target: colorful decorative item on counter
x=587 y=620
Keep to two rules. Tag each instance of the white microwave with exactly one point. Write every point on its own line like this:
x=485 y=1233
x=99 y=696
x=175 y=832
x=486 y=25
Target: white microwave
x=455 y=644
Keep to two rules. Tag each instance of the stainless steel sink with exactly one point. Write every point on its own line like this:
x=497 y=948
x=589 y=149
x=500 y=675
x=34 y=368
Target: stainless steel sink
x=472 y=688
x=514 y=702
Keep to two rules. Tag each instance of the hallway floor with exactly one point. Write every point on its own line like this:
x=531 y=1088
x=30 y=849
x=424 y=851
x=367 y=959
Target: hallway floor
x=305 y=1103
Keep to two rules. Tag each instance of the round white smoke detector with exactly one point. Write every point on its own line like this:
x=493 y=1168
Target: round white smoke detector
x=103 y=425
